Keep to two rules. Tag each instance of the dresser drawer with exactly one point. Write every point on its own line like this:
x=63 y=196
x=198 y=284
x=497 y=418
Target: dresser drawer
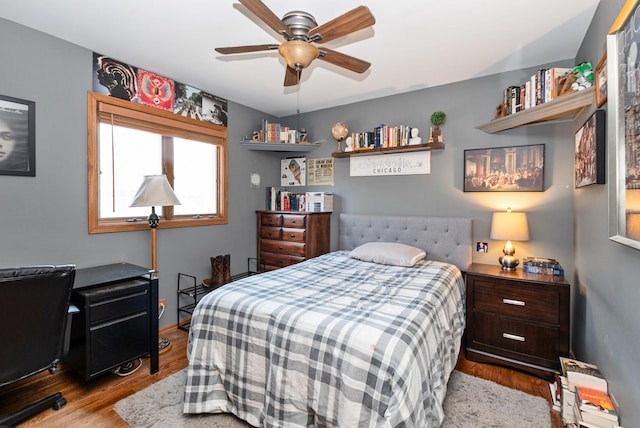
x=289 y=220
x=521 y=302
x=271 y=219
x=505 y=333
x=268 y=232
x=276 y=261
x=282 y=247
x=293 y=235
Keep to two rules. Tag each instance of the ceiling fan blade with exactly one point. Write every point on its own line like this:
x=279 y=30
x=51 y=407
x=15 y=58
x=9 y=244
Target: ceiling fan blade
x=245 y=49
x=291 y=77
x=354 y=20
x=344 y=61
x=260 y=10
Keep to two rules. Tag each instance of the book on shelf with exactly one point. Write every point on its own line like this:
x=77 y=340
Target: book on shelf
x=281 y=199
x=595 y=402
x=579 y=373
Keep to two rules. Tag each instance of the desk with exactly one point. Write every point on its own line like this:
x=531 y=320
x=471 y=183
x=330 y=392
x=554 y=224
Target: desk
x=118 y=319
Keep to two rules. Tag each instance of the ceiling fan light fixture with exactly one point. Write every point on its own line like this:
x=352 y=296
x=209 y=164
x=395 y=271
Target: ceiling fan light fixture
x=298 y=54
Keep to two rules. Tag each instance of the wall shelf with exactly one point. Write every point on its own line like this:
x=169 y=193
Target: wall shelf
x=280 y=147
x=388 y=150
x=564 y=108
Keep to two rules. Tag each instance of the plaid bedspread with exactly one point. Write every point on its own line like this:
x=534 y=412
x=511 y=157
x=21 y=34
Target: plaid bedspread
x=332 y=342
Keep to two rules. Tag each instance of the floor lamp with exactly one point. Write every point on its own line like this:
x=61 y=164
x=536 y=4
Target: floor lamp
x=155 y=191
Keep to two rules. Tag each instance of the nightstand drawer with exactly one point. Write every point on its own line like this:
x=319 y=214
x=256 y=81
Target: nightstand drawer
x=522 y=302
x=282 y=247
x=512 y=335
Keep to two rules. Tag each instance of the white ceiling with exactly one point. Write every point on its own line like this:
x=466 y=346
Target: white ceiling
x=414 y=44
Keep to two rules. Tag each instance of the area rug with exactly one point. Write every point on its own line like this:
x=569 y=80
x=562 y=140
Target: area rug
x=471 y=402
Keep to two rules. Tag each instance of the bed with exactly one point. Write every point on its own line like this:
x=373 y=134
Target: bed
x=337 y=341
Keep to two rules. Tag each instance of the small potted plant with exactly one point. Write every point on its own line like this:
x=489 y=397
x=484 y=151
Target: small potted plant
x=438 y=118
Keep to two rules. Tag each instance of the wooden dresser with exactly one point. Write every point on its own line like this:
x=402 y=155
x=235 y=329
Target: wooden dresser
x=289 y=237
x=517 y=319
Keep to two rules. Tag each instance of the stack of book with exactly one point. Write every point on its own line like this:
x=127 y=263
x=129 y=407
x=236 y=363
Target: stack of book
x=538 y=89
x=542 y=266
x=579 y=382
x=280 y=199
x=278 y=133
x=594 y=409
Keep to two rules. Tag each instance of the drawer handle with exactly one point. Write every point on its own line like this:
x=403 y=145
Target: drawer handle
x=513 y=302
x=513 y=337
x=293 y=235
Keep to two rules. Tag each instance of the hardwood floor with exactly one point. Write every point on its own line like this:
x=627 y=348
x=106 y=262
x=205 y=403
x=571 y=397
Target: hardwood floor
x=90 y=404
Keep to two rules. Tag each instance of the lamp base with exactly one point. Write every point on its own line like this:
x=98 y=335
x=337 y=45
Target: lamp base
x=508 y=262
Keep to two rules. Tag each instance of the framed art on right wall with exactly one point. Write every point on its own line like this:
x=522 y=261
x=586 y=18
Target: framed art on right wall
x=623 y=145
x=589 y=151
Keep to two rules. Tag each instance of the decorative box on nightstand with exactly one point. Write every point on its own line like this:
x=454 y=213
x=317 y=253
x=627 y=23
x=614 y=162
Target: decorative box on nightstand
x=517 y=319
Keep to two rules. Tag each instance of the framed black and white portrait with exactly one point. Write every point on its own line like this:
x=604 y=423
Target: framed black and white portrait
x=17 y=137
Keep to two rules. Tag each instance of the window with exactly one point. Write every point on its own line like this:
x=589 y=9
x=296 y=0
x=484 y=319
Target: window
x=128 y=141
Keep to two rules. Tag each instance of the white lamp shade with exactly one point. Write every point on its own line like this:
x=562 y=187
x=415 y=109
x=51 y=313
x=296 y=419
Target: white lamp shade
x=155 y=191
x=509 y=226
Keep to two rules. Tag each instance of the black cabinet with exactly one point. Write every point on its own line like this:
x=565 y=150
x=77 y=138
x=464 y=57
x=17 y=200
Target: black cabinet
x=118 y=319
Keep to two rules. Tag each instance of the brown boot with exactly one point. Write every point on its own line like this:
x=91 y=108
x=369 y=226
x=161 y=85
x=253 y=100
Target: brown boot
x=218 y=272
x=226 y=268
x=215 y=268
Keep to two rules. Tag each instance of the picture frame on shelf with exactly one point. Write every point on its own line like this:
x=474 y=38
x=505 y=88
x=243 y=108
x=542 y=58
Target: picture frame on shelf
x=17 y=136
x=601 y=81
x=504 y=169
x=624 y=107
x=589 y=159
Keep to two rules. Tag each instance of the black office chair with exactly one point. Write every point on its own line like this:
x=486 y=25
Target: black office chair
x=34 y=328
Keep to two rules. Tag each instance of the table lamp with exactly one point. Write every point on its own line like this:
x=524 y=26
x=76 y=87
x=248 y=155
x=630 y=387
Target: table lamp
x=509 y=226
x=155 y=191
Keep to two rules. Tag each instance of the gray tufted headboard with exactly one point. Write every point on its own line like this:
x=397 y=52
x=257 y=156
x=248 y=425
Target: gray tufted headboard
x=444 y=239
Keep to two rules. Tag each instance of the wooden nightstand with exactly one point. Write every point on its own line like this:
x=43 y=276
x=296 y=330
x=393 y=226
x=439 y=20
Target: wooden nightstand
x=517 y=319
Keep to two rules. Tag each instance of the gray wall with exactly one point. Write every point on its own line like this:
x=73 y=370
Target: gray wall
x=440 y=193
x=44 y=219
x=607 y=292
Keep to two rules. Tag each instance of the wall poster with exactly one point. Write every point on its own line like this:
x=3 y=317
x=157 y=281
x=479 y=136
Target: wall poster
x=320 y=171
x=293 y=172
x=17 y=136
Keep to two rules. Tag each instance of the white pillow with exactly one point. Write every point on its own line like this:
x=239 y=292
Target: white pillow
x=388 y=253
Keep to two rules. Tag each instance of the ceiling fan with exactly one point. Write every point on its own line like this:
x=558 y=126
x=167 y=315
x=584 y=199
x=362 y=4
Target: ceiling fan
x=301 y=31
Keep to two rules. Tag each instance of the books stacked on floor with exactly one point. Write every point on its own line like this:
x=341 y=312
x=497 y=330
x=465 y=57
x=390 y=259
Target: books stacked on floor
x=575 y=375
x=542 y=266
x=594 y=409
